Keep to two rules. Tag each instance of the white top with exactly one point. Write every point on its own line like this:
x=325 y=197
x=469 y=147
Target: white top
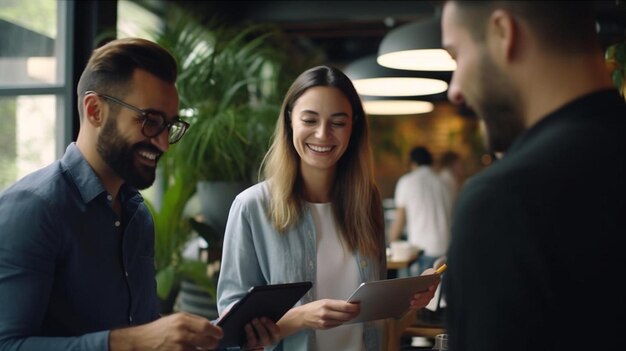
x=427 y=202
x=337 y=277
x=448 y=178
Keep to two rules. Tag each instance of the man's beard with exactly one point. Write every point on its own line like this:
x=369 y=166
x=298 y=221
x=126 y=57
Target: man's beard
x=497 y=106
x=118 y=154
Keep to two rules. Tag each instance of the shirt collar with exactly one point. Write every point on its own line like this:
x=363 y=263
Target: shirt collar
x=85 y=179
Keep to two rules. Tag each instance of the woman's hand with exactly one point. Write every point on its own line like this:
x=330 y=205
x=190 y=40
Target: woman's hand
x=261 y=332
x=420 y=300
x=320 y=315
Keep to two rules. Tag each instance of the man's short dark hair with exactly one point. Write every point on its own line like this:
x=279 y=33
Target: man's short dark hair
x=567 y=27
x=421 y=156
x=111 y=67
x=448 y=158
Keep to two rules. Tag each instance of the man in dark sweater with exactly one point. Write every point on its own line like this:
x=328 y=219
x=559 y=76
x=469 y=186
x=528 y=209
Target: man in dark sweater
x=537 y=253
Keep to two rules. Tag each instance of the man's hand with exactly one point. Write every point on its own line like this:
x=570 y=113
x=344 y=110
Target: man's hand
x=179 y=331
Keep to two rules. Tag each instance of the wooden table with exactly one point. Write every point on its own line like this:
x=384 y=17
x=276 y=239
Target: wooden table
x=399 y=264
x=394 y=265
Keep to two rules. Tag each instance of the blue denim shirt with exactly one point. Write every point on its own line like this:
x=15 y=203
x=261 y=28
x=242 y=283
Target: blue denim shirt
x=70 y=268
x=255 y=253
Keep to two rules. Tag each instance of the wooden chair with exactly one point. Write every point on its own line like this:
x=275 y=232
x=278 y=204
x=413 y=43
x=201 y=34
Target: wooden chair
x=394 y=329
x=408 y=325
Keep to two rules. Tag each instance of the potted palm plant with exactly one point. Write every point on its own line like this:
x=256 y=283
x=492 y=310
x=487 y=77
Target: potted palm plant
x=172 y=232
x=231 y=85
x=230 y=92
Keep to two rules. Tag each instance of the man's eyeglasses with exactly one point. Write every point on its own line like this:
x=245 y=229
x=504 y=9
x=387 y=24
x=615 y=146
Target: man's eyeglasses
x=154 y=122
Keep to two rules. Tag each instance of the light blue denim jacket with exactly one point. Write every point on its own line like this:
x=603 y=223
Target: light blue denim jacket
x=255 y=253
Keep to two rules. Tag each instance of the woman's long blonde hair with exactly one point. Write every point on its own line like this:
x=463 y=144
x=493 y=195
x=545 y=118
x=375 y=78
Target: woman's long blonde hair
x=355 y=197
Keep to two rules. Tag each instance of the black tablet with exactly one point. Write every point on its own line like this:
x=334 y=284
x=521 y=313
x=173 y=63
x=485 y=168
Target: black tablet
x=271 y=301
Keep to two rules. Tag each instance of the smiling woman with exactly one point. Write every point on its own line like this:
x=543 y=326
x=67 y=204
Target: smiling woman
x=322 y=124
x=316 y=217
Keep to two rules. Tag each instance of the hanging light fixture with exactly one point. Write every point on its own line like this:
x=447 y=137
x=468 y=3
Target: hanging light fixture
x=371 y=79
x=395 y=106
x=416 y=46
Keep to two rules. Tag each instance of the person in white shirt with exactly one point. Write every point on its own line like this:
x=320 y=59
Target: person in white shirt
x=423 y=206
x=452 y=171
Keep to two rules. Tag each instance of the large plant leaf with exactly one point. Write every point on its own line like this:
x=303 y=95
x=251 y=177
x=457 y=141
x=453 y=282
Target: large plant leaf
x=171 y=230
x=165 y=281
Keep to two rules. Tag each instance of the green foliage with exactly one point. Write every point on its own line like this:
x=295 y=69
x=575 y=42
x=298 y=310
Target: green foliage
x=230 y=91
x=615 y=56
x=172 y=231
x=196 y=271
x=230 y=84
x=36 y=15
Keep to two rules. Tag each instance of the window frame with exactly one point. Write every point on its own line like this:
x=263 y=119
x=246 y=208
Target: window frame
x=62 y=91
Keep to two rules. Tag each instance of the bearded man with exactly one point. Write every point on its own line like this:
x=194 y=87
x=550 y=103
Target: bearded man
x=536 y=258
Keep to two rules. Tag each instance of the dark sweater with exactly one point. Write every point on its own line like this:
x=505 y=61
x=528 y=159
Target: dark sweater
x=538 y=253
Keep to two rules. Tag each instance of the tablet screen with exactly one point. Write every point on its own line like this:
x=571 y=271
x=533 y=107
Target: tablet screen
x=271 y=301
x=388 y=298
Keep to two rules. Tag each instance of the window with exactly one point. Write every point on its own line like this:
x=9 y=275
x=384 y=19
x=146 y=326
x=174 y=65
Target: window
x=33 y=85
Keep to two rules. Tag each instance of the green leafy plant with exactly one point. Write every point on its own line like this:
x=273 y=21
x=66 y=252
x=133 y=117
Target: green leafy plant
x=172 y=232
x=230 y=87
x=615 y=56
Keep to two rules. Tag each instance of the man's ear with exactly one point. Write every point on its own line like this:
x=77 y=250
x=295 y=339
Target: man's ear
x=502 y=36
x=93 y=109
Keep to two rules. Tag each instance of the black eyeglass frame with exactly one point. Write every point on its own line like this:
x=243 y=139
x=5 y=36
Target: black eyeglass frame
x=145 y=114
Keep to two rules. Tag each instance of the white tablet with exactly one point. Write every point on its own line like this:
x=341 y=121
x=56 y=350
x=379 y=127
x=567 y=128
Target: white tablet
x=388 y=298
